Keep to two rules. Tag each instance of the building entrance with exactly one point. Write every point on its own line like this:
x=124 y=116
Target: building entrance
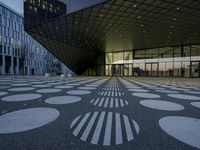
x=152 y=69
x=117 y=70
x=195 y=69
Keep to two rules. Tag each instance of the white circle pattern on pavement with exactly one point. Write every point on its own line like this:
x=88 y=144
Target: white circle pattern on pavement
x=184 y=129
x=21 y=89
x=167 y=91
x=21 y=97
x=21 y=84
x=146 y=95
x=41 y=86
x=63 y=100
x=138 y=90
x=48 y=90
x=162 y=105
x=184 y=97
x=26 y=119
x=3 y=93
x=64 y=87
x=87 y=88
x=195 y=104
x=78 y=92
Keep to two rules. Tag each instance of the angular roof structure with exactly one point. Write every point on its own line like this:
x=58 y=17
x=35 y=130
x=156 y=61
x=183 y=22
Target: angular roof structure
x=78 y=38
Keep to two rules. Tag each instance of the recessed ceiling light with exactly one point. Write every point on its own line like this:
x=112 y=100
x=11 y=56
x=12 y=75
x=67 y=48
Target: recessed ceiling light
x=177 y=8
x=135 y=5
x=101 y=15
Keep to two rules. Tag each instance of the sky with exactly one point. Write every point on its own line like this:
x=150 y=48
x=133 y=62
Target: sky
x=16 y=5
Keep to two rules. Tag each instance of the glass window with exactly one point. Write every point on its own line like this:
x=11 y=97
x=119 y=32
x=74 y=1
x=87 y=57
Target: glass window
x=118 y=58
x=5 y=21
x=177 y=69
x=186 y=69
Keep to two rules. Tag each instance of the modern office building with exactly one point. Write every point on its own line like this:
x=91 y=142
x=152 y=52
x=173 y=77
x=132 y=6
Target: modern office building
x=119 y=38
x=20 y=54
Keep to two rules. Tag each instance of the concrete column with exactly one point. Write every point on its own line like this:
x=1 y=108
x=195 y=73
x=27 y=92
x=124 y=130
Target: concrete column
x=3 y=65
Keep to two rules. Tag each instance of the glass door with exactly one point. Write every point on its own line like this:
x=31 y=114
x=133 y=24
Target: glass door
x=152 y=69
x=117 y=70
x=195 y=69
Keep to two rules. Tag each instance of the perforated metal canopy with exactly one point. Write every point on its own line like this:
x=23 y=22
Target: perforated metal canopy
x=116 y=25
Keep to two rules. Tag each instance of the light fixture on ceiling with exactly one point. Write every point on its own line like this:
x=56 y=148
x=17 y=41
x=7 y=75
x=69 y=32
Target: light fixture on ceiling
x=177 y=8
x=139 y=17
x=101 y=15
x=174 y=19
x=135 y=5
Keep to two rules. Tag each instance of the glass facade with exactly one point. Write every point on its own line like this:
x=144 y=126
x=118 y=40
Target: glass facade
x=39 y=11
x=179 y=61
x=20 y=54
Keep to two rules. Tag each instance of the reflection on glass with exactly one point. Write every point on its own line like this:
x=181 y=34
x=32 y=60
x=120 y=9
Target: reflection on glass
x=164 y=62
x=177 y=69
x=195 y=68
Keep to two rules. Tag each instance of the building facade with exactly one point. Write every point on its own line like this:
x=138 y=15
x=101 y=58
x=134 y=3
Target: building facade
x=20 y=54
x=174 y=61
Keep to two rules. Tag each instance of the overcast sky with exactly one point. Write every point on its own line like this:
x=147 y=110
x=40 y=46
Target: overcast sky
x=16 y=5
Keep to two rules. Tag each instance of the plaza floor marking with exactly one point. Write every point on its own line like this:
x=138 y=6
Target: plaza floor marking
x=52 y=90
x=63 y=100
x=184 y=129
x=162 y=105
x=26 y=119
x=109 y=102
x=105 y=124
x=138 y=90
x=21 y=97
x=78 y=92
x=3 y=93
x=184 y=96
x=146 y=95
x=41 y=86
x=195 y=104
x=64 y=87
x=167 y=91
x=21 y=89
